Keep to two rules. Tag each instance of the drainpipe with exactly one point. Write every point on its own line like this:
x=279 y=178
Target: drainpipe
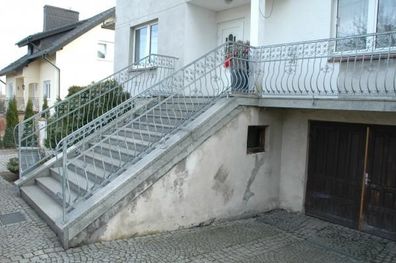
x=3 y=82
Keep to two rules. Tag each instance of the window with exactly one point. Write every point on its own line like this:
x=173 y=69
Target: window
x=146 y=41
x=102 y=51
x=256 y=139
x=360 y=17
x=47 y=89
x=10 y=90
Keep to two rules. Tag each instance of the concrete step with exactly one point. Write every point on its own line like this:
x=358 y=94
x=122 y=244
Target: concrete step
x=79 y=184
x=131 y=144
x=101 y=161
x=115 y=151
x=94 y=173
x=189 y=100
x=43 y=204
x=153 y=127
x=161 y=120
x=177 y=112
x=53 y=188
x=141 y=134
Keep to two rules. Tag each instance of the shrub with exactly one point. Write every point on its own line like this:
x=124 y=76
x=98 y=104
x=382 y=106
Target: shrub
x=45 y=106
x=12 y=121
x=13 y=165
x=83 y=108
x=29 y=135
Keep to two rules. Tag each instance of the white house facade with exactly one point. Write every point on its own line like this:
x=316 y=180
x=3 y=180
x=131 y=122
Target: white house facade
x=187 y=29
x=301 y=118
x=57 y=56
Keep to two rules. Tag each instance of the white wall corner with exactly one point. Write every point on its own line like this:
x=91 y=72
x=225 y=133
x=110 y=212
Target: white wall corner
x=257 y=22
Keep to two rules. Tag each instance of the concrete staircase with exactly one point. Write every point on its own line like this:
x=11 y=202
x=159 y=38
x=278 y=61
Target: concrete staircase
x=128 y=148
x=101 y=159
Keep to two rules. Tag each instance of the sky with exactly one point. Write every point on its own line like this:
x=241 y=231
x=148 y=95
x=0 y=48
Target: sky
x=21 y=18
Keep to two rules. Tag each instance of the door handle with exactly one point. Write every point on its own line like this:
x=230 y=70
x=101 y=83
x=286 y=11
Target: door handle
x=366 y=179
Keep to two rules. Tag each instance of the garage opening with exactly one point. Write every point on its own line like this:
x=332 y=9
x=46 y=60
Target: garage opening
x=352 y=176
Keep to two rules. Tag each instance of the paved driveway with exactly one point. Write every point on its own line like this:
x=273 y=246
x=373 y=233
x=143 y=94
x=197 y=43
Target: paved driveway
x=277 y=236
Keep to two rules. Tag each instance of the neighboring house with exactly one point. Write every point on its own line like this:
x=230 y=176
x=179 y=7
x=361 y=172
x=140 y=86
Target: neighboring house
x=57 y=57
x=313 y=131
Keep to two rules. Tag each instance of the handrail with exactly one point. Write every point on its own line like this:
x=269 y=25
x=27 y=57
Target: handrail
x=123 y=135
x=85 y=105
x=362 y=65
x=190 y=89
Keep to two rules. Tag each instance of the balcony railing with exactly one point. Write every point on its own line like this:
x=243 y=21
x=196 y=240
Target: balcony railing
x=350 y=67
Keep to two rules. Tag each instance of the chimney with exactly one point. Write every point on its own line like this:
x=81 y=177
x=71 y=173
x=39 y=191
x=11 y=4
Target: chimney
x=55 y=17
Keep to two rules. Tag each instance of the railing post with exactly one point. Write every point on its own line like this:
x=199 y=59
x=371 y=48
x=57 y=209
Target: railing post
x=18 y=144
x=64 y=177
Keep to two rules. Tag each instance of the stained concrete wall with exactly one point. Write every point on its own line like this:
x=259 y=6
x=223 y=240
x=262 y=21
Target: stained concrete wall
x=295 y=132
x=217 y=180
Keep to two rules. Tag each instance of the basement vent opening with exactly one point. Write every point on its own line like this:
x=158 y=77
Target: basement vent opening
x=256 y=139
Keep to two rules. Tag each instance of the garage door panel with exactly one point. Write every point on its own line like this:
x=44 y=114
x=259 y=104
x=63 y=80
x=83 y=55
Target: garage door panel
x=333 y=188
x=380 y=199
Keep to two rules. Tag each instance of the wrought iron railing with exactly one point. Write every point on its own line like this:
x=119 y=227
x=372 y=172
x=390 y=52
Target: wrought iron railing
x=38 y=136
x=356 y=66
x=332 y=67
x=103 y=152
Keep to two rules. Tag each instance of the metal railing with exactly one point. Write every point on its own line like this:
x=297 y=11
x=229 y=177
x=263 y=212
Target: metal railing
x=94 y=154
x=351 y=67
x=38 y=136
x=103 y=152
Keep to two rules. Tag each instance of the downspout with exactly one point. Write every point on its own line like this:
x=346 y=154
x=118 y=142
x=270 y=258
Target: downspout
x=3 y=82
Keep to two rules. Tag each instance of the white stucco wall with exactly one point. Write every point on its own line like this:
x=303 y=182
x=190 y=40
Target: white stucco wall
x=78 y=60
x=185 y=30
x=217 y=180
x=241 y=12
x=292 y=21
x=171 y=27
x=200 y=32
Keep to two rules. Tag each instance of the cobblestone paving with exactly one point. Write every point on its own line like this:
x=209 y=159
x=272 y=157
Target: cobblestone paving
x=5 y=155
x=277 y=236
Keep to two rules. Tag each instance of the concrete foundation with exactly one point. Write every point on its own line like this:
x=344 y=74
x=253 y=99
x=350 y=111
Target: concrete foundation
x=219 y=180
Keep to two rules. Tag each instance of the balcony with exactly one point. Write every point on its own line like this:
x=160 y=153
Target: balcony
x=345 y=73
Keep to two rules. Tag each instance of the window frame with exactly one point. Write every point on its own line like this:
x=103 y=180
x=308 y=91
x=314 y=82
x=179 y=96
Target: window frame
x=258 y=135
x=10 y=89
x=372 y=22
x=148 y=26
x=45 y=83
x=106 y=50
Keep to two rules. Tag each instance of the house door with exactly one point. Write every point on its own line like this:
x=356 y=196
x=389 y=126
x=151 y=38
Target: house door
x=352 y=176
x=234 y=27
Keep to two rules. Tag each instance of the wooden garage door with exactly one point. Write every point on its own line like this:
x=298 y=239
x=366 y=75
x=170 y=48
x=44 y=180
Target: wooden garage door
x=335 y=169
x=379 y=213
x=352 y=176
